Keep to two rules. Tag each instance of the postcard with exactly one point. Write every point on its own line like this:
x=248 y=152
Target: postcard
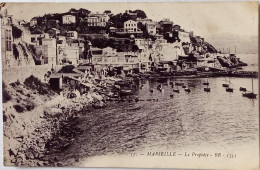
x=130 y=84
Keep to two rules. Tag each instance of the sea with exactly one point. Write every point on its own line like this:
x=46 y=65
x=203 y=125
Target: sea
x=185 y=122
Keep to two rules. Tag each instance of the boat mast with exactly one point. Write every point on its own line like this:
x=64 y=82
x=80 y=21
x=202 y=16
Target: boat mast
x=252 y=86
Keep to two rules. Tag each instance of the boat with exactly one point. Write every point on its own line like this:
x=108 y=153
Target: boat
x=242 y=89
x=207 y=89
x=250 y=95
x=176 y=90
x=206 y=83
x=225 y=84
x=187 y=89
x=179 y=84
x=126 y=92
x=229 y=88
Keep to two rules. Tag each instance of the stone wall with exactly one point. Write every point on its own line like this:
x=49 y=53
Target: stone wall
x=21 y=73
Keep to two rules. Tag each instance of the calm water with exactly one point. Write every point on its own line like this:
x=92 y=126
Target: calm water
x=251 y=60
x=185 y=121
x=188 y=120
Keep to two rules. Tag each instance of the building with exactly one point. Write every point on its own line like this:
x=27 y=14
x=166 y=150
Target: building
x=47 y=51
x=72 y=34
x=53 y=23
x=67 y=54
x=36 y=39
x=159 y=39
x=143 y=20
x=165 y=25
x=151 y=28
x=53 y=32
x=33 y=22
x=6 y=39
x=68 y=19
x=98 y=20
x=130 y=26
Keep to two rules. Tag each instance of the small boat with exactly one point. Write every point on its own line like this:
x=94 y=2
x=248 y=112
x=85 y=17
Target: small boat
x=171 y=96
x=176 y=90
x=125 y=92
x=229 y=88
x=183 y=86
x=225 y=84
x=242 y=89
x=179 y=84
x=207 y=89
x=250 y=95
x=187 y=89
x=206 y=83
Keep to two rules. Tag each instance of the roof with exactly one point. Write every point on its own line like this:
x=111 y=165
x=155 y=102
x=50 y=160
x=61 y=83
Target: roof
x=55 y=76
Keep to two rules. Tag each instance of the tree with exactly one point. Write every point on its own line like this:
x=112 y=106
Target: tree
x=140 y=13
x=17 y=33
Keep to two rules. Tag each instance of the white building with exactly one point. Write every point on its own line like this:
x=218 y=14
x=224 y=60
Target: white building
x=99 y=20
x=151 y=28
x=72 y=34
x=68 y=19
x=47 y=51
x=130 y=26
x=67 y=54
x=6 y=39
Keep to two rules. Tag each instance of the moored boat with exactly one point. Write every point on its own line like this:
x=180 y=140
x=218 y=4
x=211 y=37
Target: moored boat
x=187 y=89
x=207 y=89
x=176 y=90
x=206 y=83
x=242 y=89
x=250 y=95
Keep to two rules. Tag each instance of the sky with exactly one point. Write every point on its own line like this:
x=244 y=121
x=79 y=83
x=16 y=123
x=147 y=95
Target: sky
x=206 y=19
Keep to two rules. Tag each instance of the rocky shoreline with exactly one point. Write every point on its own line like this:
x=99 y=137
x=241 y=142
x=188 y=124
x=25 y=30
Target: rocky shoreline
x=31 y=134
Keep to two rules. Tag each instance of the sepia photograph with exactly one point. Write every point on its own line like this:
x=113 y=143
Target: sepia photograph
x=130 y=84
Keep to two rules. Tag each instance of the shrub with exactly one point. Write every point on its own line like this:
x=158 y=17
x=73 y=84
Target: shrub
x=17 y=33
x=6 y=96
x=67 y=69
x=19 y=108
x=35 y=84
x=15 y=51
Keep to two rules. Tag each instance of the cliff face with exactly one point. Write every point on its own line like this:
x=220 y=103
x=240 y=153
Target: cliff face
x=205 y=46
x=22 y=55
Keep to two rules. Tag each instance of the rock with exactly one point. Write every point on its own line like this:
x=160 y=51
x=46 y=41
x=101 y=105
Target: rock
x=13 y=151
x=19 y=159
x=40 y=163
x=29 y=155
x=14 y=160
x=60 y=164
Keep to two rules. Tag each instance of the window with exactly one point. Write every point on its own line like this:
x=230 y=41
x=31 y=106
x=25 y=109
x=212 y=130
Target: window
x=8 y=41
